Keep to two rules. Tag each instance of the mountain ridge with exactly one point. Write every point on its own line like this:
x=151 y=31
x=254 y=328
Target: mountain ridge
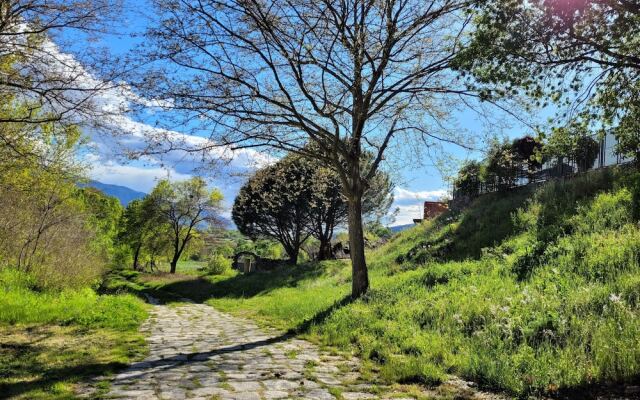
x=123 y=193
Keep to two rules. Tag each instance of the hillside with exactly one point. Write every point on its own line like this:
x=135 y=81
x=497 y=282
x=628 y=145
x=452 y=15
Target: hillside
x=122 y=193
x=533 y=292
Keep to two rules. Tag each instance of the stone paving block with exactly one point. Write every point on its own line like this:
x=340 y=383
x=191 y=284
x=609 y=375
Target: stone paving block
x=197 y=352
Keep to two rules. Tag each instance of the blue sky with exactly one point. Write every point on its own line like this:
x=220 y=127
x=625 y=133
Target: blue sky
x=415 y=181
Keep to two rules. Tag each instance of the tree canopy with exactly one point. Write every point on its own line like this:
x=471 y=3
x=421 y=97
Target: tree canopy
x=349 y=77
x=275 y=202
x=184 y=206
x=297 y=198
x=582 y=54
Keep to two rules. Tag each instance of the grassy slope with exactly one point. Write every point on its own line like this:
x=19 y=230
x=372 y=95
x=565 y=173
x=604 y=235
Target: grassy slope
x=532 y=292
x=49 y=341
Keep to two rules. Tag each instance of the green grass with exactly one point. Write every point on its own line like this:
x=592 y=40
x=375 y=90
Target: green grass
x=20 y=304
x=534 y=292
x=185 y=267
x=51 y=340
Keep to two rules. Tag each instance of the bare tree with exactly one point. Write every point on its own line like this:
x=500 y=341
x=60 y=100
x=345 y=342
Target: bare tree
x=41 y=73
x=350 y=76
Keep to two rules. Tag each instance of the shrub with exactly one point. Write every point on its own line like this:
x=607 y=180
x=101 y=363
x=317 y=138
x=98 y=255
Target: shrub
x=586 y=152
x=218 y=265
x=468 y=181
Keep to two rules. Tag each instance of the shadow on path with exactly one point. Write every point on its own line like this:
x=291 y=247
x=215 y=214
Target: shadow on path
x=322 y=315
x=51 y=376
x=201 y=289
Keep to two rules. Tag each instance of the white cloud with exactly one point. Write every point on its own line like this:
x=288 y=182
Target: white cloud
x=142 y=179
x=404 y=196
x=410 y=204
x=406 y=214
x=113 y=131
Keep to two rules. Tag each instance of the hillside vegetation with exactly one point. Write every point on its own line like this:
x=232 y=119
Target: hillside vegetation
x=535 y=291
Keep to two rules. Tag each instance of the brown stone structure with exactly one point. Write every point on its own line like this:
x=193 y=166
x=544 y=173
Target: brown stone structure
x=434 y=208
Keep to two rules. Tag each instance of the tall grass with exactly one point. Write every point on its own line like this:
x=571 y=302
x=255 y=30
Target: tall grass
x=20 y=304
x=531 y=292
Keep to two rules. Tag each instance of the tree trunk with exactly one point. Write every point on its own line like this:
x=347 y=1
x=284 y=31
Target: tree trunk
x=292 y=252
x=174 y=263
x=325 y=253
x=136 y=257
x=360 y=278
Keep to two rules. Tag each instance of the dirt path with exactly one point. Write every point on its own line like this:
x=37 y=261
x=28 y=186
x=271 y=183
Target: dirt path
x=197 y=352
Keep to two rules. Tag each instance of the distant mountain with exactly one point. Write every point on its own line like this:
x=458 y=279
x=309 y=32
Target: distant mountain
x=400 y=228
x=122 y=193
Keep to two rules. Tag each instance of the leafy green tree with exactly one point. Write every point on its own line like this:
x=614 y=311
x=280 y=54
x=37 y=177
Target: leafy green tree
x=318 y=196
x=184 y=206
x=103 y=214
x=469 y=179
x=501 y=168
x=137 y=224
x=274 y=204
x=158 y=243
x=583 y=54
x=572 y=142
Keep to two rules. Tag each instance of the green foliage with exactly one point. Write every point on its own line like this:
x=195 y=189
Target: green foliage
x=469 y=178
x=20 y=304
x=144 y=232
x=103 y=216
x=548 y=306
x=178 y=209
x=377 y=230
x=504 y=163
x=274 y=203
x=501 y=166
x=572 y=53
x=224 y=249
x=268 y=249
x=218 y=265
x=572 y=142
x=60 y=234
x=298 y=198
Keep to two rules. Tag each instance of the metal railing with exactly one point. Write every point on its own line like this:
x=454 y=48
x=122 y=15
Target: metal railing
x=559 y=167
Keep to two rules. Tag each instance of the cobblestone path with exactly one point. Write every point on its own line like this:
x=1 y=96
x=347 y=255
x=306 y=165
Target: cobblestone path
x=197 y=352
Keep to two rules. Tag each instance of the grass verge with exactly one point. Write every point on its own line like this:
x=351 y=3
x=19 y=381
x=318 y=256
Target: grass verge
x=51 y=341
x=534 y=292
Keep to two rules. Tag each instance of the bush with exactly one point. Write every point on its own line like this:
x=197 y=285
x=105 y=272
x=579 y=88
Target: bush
x=218 y=265
x=468 y=181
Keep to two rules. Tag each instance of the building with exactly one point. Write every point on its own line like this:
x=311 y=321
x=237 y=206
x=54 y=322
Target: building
x=432 y=209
